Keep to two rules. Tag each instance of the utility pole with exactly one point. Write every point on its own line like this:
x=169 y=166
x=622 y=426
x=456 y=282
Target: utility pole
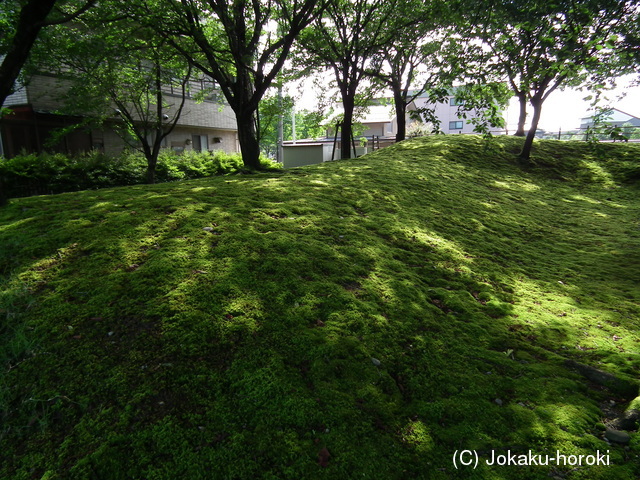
x=279 y=152
x=293 y=123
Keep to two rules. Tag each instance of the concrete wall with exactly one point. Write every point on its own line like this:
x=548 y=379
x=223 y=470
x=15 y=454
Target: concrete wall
x=43 y=92
x=208 y=114
x=380 y=129
x=311 y=153
x=302 y=154
x=19 y=97
x=180 y=139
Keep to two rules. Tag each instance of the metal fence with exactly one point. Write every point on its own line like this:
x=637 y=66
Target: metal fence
x=605 y=133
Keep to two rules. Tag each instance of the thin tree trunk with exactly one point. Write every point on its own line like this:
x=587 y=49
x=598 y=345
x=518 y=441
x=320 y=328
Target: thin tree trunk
x=346 y=133
x=152 y=151
x=3 y=193
x=152 y=159
x=151 y=171
x=401 y=117
x=522 y=118
x=525 y=154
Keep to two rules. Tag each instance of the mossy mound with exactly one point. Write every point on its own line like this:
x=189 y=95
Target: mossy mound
x=227 y=327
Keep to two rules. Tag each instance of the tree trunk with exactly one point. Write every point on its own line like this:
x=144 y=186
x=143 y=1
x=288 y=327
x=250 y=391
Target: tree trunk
x=401 y=117
x=248 y=138
x=152 y=151
x=151 y=154
x=32 y=17
x=3 y=194
x=152 y=159
x=522 y=118
x=346 y=133
x=151 y=172
x=525 y=154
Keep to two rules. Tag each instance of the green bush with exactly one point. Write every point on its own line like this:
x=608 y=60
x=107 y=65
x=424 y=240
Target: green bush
x=190 y=164
x=46 y=173
x=104 y=171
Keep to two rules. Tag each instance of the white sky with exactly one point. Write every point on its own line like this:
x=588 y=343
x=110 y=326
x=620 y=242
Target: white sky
x=562 y=110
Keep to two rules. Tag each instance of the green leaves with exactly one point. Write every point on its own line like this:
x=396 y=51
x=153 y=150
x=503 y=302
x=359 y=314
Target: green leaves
x=539 y=47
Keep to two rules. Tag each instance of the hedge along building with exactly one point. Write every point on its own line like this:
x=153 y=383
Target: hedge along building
x=33 y=122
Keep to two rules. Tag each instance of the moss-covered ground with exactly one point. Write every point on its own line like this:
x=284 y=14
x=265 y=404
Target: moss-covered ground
x=358 y=319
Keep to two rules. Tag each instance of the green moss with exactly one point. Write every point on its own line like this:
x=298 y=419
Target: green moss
x=391 y=309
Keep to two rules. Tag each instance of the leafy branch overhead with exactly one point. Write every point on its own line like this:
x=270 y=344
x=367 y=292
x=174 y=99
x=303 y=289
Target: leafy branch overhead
x=21 y=24
x=539 y=47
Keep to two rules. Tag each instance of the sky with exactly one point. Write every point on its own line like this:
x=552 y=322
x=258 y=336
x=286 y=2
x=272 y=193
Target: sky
x=562 y=110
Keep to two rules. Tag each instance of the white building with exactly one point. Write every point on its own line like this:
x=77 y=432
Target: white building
x=616 y=117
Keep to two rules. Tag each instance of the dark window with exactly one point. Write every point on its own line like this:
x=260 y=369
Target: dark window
x=200 y=143
x=455 y=125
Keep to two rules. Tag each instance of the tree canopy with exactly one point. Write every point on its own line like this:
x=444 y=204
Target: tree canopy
x=416 y=61
x=405 y=46
x=343 y=41
x=539 y=47
x=21 y=23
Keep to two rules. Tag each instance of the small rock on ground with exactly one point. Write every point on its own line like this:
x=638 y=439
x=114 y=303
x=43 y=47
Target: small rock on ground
x=617 y=436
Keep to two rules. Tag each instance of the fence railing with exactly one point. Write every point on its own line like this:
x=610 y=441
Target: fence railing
x=605 y=133
x=602 y=133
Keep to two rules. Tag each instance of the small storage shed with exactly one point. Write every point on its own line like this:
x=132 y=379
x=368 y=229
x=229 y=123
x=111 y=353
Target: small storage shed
x=300 y=154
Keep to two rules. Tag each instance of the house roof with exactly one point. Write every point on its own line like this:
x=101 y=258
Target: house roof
x=617 y=115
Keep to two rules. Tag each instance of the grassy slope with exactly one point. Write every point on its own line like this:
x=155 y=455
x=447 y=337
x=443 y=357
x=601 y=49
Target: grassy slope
x=139 y=345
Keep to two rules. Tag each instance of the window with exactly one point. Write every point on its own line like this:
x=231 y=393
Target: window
x=200 y=143
x=454 y=102
x=456 y=125
x=177 y=147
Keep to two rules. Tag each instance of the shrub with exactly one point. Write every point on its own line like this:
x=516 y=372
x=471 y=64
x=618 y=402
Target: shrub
x=269 y=164
x=128 y=169
x=32 y=174
x=47 y=173
x=191 y=164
